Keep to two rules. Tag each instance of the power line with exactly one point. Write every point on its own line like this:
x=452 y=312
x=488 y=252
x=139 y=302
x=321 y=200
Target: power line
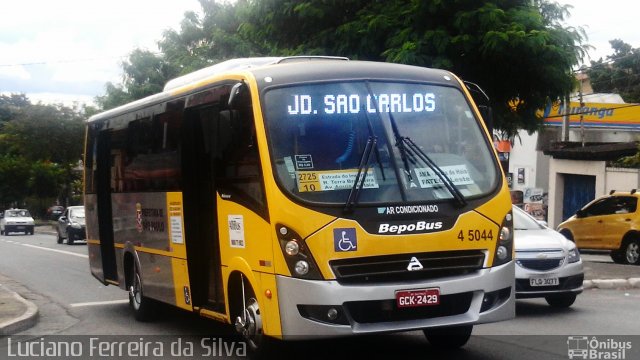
x=69 y=61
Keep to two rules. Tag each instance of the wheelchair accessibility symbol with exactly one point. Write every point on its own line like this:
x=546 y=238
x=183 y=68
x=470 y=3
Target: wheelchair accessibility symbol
x=345 y=240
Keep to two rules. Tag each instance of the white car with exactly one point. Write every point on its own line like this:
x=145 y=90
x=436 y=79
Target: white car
x=547 y=264
x=16 y=220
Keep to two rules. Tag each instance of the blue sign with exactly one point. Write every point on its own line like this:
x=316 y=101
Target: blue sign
x=345 y=240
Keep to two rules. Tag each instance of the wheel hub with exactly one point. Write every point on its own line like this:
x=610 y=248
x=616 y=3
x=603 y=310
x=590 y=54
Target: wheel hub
x=249 y=324
x=633 y=253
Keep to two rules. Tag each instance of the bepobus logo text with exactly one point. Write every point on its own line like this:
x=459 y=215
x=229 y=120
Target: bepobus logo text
x=405 y=228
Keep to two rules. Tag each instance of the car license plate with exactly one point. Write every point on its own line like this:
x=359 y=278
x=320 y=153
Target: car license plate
x=550 y=281
x=413 y=298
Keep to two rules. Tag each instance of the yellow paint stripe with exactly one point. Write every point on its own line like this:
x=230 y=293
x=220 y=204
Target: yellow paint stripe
x=147 y=250
x=214 y=315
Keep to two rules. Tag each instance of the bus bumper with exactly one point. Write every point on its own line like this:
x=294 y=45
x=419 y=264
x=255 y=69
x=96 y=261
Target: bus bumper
x=329 y=309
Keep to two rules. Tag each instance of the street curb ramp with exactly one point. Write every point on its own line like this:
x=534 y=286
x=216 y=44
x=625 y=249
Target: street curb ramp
x=21 y=322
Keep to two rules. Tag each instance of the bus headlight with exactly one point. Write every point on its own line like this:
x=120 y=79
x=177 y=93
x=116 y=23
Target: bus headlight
x=292 y=248
x=302 y=268
x=504 y=246
x=297 y=255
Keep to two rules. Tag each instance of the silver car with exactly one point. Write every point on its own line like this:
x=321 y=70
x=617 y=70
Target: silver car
x=547 y=264
x=71 y=225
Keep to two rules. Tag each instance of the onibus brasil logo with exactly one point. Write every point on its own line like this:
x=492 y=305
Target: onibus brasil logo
x=583 y=347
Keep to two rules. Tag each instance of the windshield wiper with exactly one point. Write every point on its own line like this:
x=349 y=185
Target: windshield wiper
x=363 y=169
x=414 y=150
x=401 y=147
x=408 y=149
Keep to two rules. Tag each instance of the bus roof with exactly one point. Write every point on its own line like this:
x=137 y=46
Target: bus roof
x=273 y=71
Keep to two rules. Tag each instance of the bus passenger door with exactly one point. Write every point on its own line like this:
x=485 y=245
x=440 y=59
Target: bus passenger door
x=105 y=220
x=245 y=231
x=200 y=209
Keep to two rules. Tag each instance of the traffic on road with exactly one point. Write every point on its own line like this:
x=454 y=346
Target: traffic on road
x=71 y=305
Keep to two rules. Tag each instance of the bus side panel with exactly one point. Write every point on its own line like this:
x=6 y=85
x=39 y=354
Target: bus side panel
x=142 y=223
x=246 y=238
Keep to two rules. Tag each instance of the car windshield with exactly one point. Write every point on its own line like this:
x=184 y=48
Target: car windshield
x=76 y=213
x=416 y=132
x=523 y=221
x=17 y=213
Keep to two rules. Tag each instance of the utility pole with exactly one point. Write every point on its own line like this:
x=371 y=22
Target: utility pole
x=581 y=112
x=565 y=119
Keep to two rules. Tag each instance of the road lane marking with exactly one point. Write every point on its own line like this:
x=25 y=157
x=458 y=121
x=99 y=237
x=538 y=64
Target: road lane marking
x=99 y=303
x=55 y=250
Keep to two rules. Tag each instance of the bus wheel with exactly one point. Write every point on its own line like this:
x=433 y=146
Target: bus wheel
x=142 y=306
x=449 y=337
x=248 y=321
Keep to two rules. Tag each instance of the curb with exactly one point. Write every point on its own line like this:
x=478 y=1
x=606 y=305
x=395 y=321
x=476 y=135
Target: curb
x=23 y=322
x=631 y=283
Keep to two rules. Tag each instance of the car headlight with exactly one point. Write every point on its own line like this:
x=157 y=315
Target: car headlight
x=76 y=225
x=574 y=255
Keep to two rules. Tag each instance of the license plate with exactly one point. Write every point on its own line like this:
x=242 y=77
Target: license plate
x=414 y=298
x=551 y=281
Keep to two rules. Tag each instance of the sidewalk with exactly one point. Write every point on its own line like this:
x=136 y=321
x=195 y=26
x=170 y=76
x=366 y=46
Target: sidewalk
x=16 y=313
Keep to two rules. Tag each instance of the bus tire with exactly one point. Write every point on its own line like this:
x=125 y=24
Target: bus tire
x=142 y=306
x=247 y=318
x=452 y=337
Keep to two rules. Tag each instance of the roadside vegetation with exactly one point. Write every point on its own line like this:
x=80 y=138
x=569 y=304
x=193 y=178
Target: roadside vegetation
x=520 y=52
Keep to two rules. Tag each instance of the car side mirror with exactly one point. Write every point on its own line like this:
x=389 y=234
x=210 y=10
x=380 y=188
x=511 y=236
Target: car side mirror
x=581 y=213
x=62 y=218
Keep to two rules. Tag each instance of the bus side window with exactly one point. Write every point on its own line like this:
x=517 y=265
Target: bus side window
x=240 y=174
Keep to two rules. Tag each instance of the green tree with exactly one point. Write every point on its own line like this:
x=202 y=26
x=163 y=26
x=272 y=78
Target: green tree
x=14 y=177
x=519 y=51
x=40 y=132
x=10 y=105
x=145 y=73
x=41 y=145
x=619 y=73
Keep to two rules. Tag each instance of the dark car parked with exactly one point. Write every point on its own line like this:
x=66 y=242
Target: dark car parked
x=71 y=225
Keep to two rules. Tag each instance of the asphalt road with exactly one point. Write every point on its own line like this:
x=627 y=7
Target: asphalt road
x=56 y=277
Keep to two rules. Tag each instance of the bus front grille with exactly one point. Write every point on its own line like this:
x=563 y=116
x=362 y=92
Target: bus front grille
x=395 y=268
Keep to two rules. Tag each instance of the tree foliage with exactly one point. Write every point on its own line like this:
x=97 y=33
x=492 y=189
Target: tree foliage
x=40 y=145
x=519 y=51
x=619 y=73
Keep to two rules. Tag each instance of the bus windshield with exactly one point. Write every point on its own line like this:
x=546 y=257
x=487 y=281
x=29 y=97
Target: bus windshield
x=319 y=132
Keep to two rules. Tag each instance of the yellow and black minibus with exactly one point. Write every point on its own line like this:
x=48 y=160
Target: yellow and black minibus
x=304 y=196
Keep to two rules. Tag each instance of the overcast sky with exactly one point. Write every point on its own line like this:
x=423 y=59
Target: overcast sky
x=66 y=50
x=69 y=49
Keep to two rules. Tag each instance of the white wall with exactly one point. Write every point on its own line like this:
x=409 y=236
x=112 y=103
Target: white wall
x=621 y=179
x=524 y=156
